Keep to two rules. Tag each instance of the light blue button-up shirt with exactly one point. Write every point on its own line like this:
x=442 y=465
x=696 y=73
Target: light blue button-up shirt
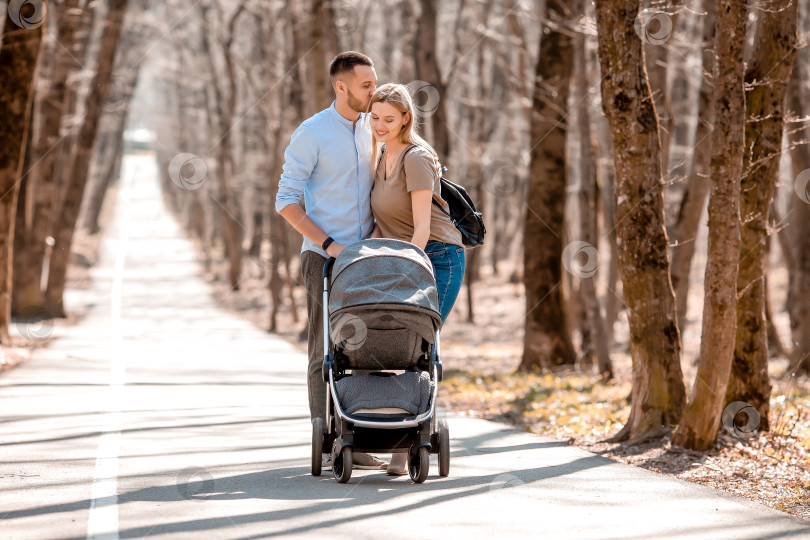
x=329 y=162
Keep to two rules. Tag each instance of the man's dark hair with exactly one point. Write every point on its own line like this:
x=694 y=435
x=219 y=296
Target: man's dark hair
x=346 y=61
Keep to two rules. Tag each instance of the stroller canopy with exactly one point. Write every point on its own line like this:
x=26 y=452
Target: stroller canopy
x=387 y=284
x=383 y=271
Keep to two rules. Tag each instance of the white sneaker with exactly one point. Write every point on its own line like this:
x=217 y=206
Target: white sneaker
x=326 y=461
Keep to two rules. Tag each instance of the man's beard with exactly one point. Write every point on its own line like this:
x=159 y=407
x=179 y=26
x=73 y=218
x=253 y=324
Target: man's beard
x=355 y=104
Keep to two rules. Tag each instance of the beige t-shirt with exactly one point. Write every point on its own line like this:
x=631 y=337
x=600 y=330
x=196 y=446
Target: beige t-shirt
x=391 y=198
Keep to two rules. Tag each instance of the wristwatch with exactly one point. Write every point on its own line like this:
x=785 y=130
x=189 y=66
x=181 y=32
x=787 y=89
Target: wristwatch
x=327 y=242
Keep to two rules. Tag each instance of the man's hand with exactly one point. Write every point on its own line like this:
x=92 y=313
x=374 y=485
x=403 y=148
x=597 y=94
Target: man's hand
x=334 y=249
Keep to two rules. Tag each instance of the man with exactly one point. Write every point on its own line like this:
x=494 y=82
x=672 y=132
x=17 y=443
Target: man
x=328 y=161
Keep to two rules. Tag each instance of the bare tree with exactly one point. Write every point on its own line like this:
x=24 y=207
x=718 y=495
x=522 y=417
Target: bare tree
x=655 y=343
x=598 y=341
x=109 y=146
x=65 y=223
x=766 y=81
x=35 y=220
x=19 y=51
x=701 y=421
x=427 y=67
x=223 y=110
x=697 y=190
x=546 y=340
x=798 y=299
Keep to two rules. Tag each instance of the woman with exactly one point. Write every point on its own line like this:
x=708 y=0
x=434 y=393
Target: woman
x=405 y=185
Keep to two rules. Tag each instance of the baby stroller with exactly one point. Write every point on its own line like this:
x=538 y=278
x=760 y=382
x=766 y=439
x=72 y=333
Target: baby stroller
x=381 y=312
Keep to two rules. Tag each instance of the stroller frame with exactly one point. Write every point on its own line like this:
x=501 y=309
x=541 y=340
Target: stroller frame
x=343 y=433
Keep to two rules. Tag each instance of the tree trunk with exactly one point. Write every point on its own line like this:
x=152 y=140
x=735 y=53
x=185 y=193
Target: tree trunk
x=18 y=62
x=108 y=153
x=223 y=110
x=698 y=187
x=655 y=342
x=588 y=211
x=606 y=181
x=427 y=66
x=546 y=342
x=65 y=224
x=799 y=299
x=324 y=45
x=46 y=148
x=767 y=80
x=701 y=421
x=657 y=29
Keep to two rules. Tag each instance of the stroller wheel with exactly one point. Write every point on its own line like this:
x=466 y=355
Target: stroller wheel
x=444 y=448
x=317 y=446
x=342 y=465
x=419 y=465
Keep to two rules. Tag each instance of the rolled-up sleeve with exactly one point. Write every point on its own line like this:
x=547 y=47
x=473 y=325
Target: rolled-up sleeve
x=300 y=159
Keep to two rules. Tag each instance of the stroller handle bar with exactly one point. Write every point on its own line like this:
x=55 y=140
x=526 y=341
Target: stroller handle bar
x=327 y=268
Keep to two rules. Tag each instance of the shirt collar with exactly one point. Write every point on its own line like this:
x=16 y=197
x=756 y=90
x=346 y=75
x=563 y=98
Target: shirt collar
x=342 y=119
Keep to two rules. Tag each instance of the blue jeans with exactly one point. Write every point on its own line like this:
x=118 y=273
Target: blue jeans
x=448 y=266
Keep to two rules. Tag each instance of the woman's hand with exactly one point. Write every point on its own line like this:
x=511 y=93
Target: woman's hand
x=420 y=202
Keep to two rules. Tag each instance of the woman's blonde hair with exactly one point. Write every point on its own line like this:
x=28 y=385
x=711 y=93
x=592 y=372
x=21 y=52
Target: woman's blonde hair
x=400 y=98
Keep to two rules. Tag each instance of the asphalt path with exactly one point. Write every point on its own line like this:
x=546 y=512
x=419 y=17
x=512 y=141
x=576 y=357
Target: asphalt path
x=161 y=415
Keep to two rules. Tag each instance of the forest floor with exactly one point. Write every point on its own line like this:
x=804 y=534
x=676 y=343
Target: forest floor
x=480 y=358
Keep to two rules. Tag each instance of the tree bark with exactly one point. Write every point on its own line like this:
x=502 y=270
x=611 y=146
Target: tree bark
x=18 y=63
x=767 y=80
x=223 y=110
x=699 y=426
x=45 y=150
x=655 y=343
x=697 y=189
x=605 y=180
x=427 y=66
x=546 y=342
x=324 y=45
x=658 y=32
x=588 y=210
x=108 y=154
x=65 y=224
x=798 y=297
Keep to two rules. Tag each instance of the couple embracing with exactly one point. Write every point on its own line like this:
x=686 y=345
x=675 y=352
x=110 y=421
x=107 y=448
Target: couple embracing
x=364 y=172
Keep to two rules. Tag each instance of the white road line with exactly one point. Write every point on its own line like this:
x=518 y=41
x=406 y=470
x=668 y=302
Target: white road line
x=103 y=521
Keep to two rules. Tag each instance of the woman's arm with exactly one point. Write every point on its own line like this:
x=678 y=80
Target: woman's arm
x=376 y=232
x=420 y=202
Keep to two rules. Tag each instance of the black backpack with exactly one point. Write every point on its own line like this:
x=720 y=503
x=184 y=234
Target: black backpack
x=468 y=221
x=463 y=214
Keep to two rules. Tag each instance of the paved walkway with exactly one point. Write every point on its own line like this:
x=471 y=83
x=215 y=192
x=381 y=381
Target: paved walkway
x=161 y=415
